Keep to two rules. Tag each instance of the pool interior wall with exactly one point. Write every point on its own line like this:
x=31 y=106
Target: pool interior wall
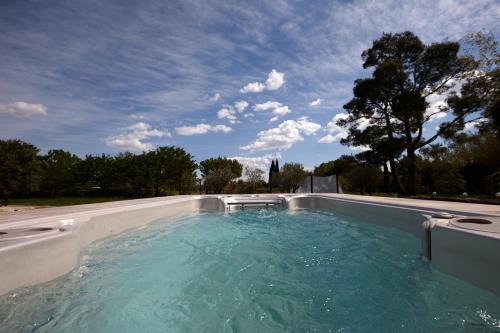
x=468 y=255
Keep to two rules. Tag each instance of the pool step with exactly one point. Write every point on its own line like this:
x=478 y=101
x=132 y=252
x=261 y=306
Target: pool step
x=243 y=202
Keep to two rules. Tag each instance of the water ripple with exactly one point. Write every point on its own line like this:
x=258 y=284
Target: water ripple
x=253 y=271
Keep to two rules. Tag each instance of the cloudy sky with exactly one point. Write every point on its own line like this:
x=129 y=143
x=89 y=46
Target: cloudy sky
x=252 y=80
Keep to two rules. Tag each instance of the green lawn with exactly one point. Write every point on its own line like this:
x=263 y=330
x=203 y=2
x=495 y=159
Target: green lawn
x=62 y=201
x=69 y=201
x=481 y=199
x=478 y=198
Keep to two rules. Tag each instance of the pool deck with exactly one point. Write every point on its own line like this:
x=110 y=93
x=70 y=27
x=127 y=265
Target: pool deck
x=459 y=207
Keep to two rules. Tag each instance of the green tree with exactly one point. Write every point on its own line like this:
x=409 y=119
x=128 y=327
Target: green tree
x=478 y=157
x=272 y=169
x=274 y=175
x=343 y=164
x=479 y=98
x=393 y=100
x=254 y=178
x=218 y=172
x=169 y=167
x=60 y=172
x=19 y=168
x=292 y=176
x=131 y=175
x=325 y=169
x=97 y=173
x=363 y=178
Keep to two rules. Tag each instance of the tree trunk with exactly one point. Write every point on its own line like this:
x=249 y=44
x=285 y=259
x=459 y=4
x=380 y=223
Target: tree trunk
x=270 y=182
x=398 y=185
x=412 y=172
x=386 y=177
x=394 y=170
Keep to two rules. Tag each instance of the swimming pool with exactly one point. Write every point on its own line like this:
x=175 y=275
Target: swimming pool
x=263 y=270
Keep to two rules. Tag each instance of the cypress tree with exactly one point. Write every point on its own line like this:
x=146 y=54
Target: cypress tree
x=271 y=170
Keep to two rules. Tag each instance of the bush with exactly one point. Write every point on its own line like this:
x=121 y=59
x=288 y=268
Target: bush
x=450 y=183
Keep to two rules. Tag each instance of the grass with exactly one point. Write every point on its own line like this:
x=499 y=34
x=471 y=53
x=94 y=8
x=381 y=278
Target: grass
x=70 y=201
x=478 y=198
x=62 y=201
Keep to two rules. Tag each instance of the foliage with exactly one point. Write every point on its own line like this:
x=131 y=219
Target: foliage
x=59 y=172
x=217 y=179
x=19 y=168
x=325 y=169
x=254 y=178
x=220 y=163
x=165 y=170
x=274 y=175
x=480 y=93
x=168 y=168
x=218 y=172
x=389 y=110
x=292 y=176
x=343 y=164
x=450 y=183
x=363 y=178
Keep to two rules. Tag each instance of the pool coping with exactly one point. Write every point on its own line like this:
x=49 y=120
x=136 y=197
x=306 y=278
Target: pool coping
x=38 y=260
x=427 y=205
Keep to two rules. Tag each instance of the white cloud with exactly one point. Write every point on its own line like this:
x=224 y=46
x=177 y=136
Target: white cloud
x=275 y=80
x=254 y=87
x=240 y=106
x=260 y=162
x=328 y=139
x=214 y=98
x=284 y=136
x=137 y=116
x=266 y=106
x=473 y=124
x=247 y=115
x=228 y=113
x=134 y=136
x=437 y=102
x=281 y=111
x=278 y=109
x=363 y=123
x=316 y=102
x=335 y=132
x=359 y=149
x=202 y=129
x=23 y=109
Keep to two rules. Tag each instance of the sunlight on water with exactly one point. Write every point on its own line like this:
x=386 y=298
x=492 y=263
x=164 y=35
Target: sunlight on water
x=253 y=271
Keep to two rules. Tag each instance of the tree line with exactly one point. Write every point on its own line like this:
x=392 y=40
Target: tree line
x=470 y=165
x=24 y=172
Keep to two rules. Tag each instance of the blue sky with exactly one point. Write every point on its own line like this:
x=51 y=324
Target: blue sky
x=253 y=80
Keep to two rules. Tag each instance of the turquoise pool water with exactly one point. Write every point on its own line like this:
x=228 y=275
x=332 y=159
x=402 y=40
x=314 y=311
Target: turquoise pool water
x=253 y=271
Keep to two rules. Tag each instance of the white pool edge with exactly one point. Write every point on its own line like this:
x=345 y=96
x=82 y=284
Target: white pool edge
x=466 y=254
